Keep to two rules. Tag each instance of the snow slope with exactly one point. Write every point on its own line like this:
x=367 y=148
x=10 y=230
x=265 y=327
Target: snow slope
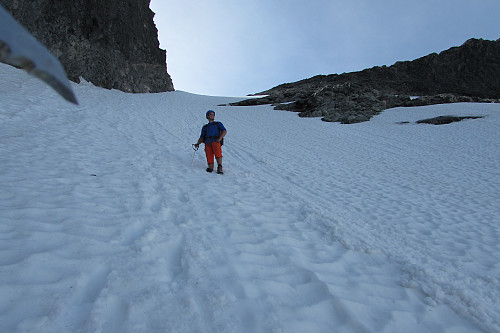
x=106 y=226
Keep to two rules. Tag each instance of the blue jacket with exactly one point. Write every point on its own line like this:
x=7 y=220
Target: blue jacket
x=212 y=131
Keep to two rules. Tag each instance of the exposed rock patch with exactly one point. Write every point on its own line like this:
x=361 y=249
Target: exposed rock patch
x=443 y=120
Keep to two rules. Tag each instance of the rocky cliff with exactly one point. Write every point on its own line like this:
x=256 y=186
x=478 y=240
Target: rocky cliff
x=113 y=44
x=470 y=72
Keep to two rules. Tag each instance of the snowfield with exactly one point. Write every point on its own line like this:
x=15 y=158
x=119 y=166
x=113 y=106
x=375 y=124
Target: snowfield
x=106 y=224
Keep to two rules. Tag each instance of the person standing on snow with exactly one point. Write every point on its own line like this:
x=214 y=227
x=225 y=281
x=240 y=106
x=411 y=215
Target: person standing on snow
x=212 y=135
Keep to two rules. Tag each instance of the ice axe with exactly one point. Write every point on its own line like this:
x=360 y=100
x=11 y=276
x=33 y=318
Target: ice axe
x=194 y=152
x=20 y=49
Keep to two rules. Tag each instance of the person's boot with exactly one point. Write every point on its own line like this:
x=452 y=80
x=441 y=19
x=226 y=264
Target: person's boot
x=219 y=169
x=210 y=168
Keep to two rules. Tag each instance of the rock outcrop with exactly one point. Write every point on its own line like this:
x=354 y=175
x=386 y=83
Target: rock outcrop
x=113 y=44
x=469 y=73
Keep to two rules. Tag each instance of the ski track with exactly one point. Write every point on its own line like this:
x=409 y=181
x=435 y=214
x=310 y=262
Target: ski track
x=135 y=239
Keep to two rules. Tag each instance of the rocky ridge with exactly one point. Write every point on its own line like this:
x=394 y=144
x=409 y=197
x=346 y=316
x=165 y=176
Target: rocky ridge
x=469 y=73
x=113 y=44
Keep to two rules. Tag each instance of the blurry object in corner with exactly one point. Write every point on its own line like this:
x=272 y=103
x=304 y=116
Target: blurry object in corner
x=20 y=49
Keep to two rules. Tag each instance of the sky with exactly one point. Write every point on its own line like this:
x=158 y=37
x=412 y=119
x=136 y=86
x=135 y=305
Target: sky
x=236 y=48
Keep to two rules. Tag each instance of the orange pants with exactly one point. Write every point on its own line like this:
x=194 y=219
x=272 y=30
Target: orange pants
x=212 y=149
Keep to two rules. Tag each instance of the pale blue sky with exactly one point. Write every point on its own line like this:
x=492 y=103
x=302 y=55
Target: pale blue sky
x=235 y=48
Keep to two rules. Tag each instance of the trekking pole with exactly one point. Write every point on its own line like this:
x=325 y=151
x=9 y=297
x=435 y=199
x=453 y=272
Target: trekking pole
x=194 y=152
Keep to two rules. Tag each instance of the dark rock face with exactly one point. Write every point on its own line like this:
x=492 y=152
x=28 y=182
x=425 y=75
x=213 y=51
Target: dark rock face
x=469 y=73
x=113 y=44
